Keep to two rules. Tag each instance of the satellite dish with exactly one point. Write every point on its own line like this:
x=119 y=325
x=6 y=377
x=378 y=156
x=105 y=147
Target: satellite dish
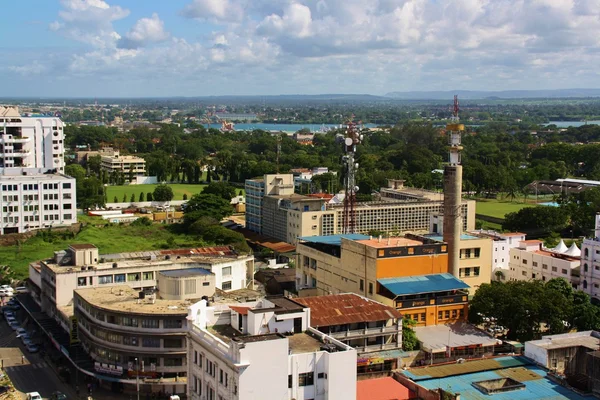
x=349 y=141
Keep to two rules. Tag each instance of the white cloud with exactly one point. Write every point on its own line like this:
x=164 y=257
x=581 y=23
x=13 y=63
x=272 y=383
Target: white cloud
x=145 y=31
x=34 y=68
x=217 y=10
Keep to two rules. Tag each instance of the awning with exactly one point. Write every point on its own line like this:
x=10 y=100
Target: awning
x=410 y=285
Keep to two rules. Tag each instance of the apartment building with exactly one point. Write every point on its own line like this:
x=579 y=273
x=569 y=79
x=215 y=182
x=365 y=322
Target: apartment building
x=590 y=264
x=113 y=162
x=130 y=336
x=257 y=189
x=408 y=273
x=35 y=141
x=530 y=260
x=31 y=199
x=501 y=245
x=80 y=266
x=268 y=352
x=372 y=328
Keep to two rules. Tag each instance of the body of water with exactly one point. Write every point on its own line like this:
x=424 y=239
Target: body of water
x=566 y=124
x=315 y=128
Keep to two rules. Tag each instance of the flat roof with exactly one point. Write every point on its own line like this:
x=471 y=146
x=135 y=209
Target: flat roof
x=535 y=381
x=440 y=238
x=588 y=339
x=124 y=299
x=444 y=370
x=334 y=239
x=176 y=273
x=82 y=246
x=284 y=303
x=389 y=242
x=408 y=285
x=346 y=308
x=436 y=338
x=35 y=177
x=382 y=389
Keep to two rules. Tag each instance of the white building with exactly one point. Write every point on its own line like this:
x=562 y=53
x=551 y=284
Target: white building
x=590 y=263
x=531 y=261
x=502 y=243
x=266 y=352
x=35 y=141
x=32 y=200
x=112 y=161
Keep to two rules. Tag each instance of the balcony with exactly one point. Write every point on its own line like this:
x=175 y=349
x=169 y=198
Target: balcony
x=376 y=347
x=357 y=333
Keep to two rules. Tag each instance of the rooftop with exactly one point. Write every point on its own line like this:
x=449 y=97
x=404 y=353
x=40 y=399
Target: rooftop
x=334 y=239
x=348 y=308
x=389 y=242
x=409 y=285
x=588 y=339
x=436 y=338
x=124 y=299
x=440 y=238
x=179 y=273
x=382 y=389
x=535 y=381
x=285 y=304
x=7 y=176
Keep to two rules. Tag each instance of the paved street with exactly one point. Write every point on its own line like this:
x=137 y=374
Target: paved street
x=30 y=373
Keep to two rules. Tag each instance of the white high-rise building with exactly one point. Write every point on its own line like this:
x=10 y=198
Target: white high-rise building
x=590 y=264
x=35 y=141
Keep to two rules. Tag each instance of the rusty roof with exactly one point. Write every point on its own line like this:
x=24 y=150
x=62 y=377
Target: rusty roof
x=240 y=310
x=346 y=308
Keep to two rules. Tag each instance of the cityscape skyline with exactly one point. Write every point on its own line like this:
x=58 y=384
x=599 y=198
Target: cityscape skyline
x=123 y=48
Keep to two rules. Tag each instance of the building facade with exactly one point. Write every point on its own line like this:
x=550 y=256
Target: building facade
x=35 y=141
x=113 y=162
x=590 y=264
x=531 y=261
x=30 y=200
x=266 y=352
x=501 y=245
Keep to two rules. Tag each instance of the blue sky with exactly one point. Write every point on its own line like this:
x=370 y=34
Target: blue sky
x=134 y=48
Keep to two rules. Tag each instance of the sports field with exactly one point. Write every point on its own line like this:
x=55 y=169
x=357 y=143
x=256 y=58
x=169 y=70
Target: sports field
x=499 y=208
x=179 y=189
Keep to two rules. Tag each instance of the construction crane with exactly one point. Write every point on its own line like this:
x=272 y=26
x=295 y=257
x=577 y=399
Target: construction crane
x=352 y=139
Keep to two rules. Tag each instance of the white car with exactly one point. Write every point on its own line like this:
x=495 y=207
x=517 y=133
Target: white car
x=34 y=396
x=5 y=293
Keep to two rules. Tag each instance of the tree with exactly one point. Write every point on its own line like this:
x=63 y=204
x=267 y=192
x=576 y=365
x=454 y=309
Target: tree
x=206 y=205
x=409 y=337
x=163 y=193
x=149 y=196
x=185 y=196
x=221 y=189
x=115 y=200
x=132 y=199
x=124 y=197
x=90 y=193
x=141 y=198
x=75 y=171
x=541 y=218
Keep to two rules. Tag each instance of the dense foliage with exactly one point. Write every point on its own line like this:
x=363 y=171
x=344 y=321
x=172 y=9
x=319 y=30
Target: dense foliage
x=529 y=308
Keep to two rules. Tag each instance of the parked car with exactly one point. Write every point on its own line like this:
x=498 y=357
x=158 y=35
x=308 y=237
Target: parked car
x=8 y=313
x=7 y=288
x=10 y=318
x=21 y=289
x=5 y=293
x=14 y=325
x=58 y=396
x=25 y=338
x=32 y=348
x=34 y=396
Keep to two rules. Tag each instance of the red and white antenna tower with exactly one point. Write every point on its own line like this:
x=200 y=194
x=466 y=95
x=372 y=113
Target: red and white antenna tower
x=352 y=139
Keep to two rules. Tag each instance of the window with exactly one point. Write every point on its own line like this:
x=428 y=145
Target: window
x=127 y=321
x=133 y=277
x=130 y=340
x=119 y=278
x=82 y=281
x=476 y=271
x=321 y=375
x=306 y=379
x=362 y=285
x=148 y=276
x=150 y=342
x=67 y=185
x=205 y=283
x=150 y=323
x=544 y=266
x=524 y=273
x=454 y=313
x=196 y=357
x=104 y=279
x=226 y=285
x=289 y=381
x=221 y=376
x=370 y=287
x=585 y=267
x=67 y=206
x=564 y=271
x=172 y=323
x=226 y=271
x=67 y=216
x=440 y=315
x=173 y=343
x=554 y=269
x=524 y=261
x=447 y=314
x=200 y=357
x=534 y=263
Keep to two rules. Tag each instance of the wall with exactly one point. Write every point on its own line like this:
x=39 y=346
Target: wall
x=409 y=266
x=174 y=288
x=536 y=353
x=144 y=180
x=265 y=377
x=237 y=276
x=421 y=392
x=484 y=262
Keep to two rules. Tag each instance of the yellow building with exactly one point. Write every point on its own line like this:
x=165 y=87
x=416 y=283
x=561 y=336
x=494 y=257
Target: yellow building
x=409 y=273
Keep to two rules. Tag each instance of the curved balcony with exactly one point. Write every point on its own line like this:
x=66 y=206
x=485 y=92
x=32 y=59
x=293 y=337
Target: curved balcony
x=138 y=330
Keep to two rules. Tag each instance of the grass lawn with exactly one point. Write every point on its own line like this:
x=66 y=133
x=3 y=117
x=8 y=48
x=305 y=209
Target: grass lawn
x=179 y=189
x=108 y=239
x=499 y=208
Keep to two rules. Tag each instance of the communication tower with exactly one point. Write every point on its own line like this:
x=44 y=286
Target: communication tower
x=352 y=139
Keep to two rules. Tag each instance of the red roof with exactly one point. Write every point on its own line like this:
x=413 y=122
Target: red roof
x=338 y=309
x=240 y=310
x=382 y=389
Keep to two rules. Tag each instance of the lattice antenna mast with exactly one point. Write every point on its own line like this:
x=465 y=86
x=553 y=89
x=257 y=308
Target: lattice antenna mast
x=352 y=139
x=278 y=151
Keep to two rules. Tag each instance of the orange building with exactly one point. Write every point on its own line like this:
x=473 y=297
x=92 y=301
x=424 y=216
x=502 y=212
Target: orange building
x=409 y=273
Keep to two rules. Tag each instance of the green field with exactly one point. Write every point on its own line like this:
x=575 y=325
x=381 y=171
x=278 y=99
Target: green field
x=179 y=189
x=499 y=208
x=109 y=239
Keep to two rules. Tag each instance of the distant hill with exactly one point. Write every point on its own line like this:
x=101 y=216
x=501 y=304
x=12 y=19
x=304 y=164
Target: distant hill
x=503 y=94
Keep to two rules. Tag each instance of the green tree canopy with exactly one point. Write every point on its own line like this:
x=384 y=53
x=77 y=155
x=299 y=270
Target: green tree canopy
x=221 y=189
x=163 y=193
x=206 y=205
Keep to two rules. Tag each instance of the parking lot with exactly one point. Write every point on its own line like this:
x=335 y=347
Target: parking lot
x=29 y=372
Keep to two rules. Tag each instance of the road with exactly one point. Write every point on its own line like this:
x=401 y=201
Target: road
x=28 y=372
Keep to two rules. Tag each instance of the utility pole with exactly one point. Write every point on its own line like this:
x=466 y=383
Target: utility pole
x=137 y=377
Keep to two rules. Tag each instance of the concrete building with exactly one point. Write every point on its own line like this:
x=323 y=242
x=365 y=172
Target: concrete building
x=501 y=245
x=80 y=266
x=35 y=141
x=409 y=273
x=113 y=162
x=266 y=352
x=122 y=332
x=186 y=284
x=32 y=199
x=372 y=328
x=274 y=210
x=590 y=264
x=562 y=353
x=530 y=260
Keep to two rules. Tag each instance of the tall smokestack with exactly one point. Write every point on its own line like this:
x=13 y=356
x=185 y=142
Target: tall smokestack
x=453 y=192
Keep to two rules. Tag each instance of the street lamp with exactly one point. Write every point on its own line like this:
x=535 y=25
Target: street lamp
x=137 y=377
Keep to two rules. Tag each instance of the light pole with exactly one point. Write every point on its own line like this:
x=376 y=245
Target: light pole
x=137 y=377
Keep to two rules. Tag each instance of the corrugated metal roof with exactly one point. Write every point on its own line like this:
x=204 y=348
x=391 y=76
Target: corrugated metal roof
x=382 y=389
x=422 y=284
x=333 y=239
x=349 y=308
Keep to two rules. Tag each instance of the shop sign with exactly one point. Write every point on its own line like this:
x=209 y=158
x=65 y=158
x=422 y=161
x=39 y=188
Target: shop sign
x=108 y=369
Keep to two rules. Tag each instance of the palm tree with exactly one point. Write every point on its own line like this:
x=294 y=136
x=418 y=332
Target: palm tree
x=499 y=275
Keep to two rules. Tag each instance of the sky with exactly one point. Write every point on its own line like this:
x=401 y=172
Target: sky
x=149 y=48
